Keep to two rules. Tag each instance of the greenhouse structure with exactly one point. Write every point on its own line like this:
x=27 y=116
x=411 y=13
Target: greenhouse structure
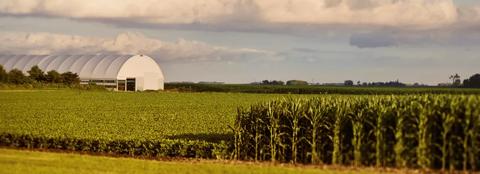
x=117 y=72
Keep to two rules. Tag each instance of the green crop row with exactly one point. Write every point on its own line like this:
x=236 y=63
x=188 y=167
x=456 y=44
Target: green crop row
x=131 y=148
x=426 y=131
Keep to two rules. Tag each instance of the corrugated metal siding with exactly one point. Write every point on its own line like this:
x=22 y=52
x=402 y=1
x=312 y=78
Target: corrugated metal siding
x=86 y=66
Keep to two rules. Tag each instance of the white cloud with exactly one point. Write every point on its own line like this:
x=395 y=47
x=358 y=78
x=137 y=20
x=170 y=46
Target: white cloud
x=125 y=43
x=371 y=23
x=466 y=36
x=407 y=13
x=411 y=14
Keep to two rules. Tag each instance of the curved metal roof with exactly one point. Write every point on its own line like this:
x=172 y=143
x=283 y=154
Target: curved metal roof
x=86 y=66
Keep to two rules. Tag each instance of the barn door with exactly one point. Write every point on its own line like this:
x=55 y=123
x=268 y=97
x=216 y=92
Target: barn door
x=130 y=84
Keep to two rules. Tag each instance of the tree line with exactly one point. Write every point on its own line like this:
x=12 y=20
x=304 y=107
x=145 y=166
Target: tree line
x=472 y=82
x=36 y=75
x=279 y=82
x=376 y=84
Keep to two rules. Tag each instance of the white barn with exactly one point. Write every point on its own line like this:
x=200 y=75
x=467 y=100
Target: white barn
x=119 y=72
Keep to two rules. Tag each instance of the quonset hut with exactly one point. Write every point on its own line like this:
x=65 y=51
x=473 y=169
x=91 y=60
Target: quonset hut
x=118 y=72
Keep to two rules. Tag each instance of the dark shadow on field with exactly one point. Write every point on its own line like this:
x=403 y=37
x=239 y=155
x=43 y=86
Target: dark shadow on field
x=208 y=137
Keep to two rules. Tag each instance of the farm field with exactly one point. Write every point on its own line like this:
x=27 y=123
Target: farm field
x=126 y=116
x=410 y=131
x=15 y=161
x=425 y=131
x=312 y=89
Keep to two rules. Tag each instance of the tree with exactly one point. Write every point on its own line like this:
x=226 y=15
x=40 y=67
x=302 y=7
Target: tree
x=53 y=77
x=348 y=83
x=273 y=82
x=277 y=82
x=297 y=82
x=70 y=78
x=16 y=76
x=3 y=75
x=36 y=74
x=455 y=80
x=473 y=81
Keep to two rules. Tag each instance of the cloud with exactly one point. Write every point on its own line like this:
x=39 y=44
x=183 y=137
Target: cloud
x=372 y=40
x=465 y=31
x=247 y=15
x=466 y=36
x=125 y=43
x=368 y=23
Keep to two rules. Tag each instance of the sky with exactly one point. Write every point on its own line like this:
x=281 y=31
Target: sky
x=242 y=41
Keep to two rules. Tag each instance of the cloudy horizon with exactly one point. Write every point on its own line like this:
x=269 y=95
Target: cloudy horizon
x=241 y=41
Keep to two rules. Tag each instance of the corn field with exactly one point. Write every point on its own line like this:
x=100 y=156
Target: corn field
x=414 y=131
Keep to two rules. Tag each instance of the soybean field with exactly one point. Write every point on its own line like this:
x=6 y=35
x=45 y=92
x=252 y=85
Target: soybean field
x=126 y=116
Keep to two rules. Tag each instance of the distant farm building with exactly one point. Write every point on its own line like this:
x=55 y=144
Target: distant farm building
x=118 y=72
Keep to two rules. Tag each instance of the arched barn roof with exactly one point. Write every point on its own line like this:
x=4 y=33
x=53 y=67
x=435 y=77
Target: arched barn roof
x=86 y=66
